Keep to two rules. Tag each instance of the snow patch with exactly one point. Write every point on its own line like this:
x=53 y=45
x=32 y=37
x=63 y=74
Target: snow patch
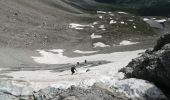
x=122 y=13
x=101 y=26
x=95 y=23
x=93 y=36
x=112 y=14
x=57 y=50
x=131 y=20
x=84 y=52
x=101 y=12
x=100 y=44
x=145 y=19
x=122 y=22
x=107 y=73
x=126 y=42
x=134 y=27
x=161 y=21
x=100 y=17
x=53 y=58
x=78 y=26
x=113 y=22
x=153 y=18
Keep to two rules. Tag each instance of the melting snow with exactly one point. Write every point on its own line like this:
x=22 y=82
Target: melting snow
x=100 y=17
x=161 y=21
x=101 y=12
x=100 y=44
x=122 y=12
x=84 y=52
x=78 y=26
x=101 y=26
x=125 y=42
x=122 y=22
x=95 y=23
x=102 y=73
x=131 y=20
x=145 y=19
x=153 y=18
x=57 y=50
x=134 y=27
x=93 y=36
x=112 y=14
x=113 y=22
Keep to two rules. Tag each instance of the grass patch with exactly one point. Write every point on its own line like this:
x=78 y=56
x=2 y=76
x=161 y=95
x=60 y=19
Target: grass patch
x=86 y=18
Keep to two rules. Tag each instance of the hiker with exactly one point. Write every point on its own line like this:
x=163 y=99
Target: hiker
x=78 y=63
x=85 y=61
x=73 y=69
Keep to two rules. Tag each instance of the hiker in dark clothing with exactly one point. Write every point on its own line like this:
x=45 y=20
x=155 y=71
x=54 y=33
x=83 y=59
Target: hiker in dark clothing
x=78 y=63
x=85 y=61
x=73 y=69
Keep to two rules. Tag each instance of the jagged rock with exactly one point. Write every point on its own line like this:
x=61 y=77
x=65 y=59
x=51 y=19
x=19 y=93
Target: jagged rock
x=153 y=66
x=128 y=89
x=162 y=41
x=76 y=93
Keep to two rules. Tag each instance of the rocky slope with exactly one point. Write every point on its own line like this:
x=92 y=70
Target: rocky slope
x=153 y=65
x=121 y=90
x=44 y=23
x=27 y=26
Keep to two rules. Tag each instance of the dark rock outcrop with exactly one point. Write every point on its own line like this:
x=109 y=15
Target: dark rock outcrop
x=153 y=65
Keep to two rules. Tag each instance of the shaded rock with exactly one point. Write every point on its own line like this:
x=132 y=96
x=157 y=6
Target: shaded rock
x=153 y=66
x=162 y=41
x=154 y=24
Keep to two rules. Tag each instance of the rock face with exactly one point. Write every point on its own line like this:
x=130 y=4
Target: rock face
x=128 y=89
x=153 y=65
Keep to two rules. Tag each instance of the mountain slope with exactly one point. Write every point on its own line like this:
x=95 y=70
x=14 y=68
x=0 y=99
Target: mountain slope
x=142 y=7
x=26 y=23
x=27 y=26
